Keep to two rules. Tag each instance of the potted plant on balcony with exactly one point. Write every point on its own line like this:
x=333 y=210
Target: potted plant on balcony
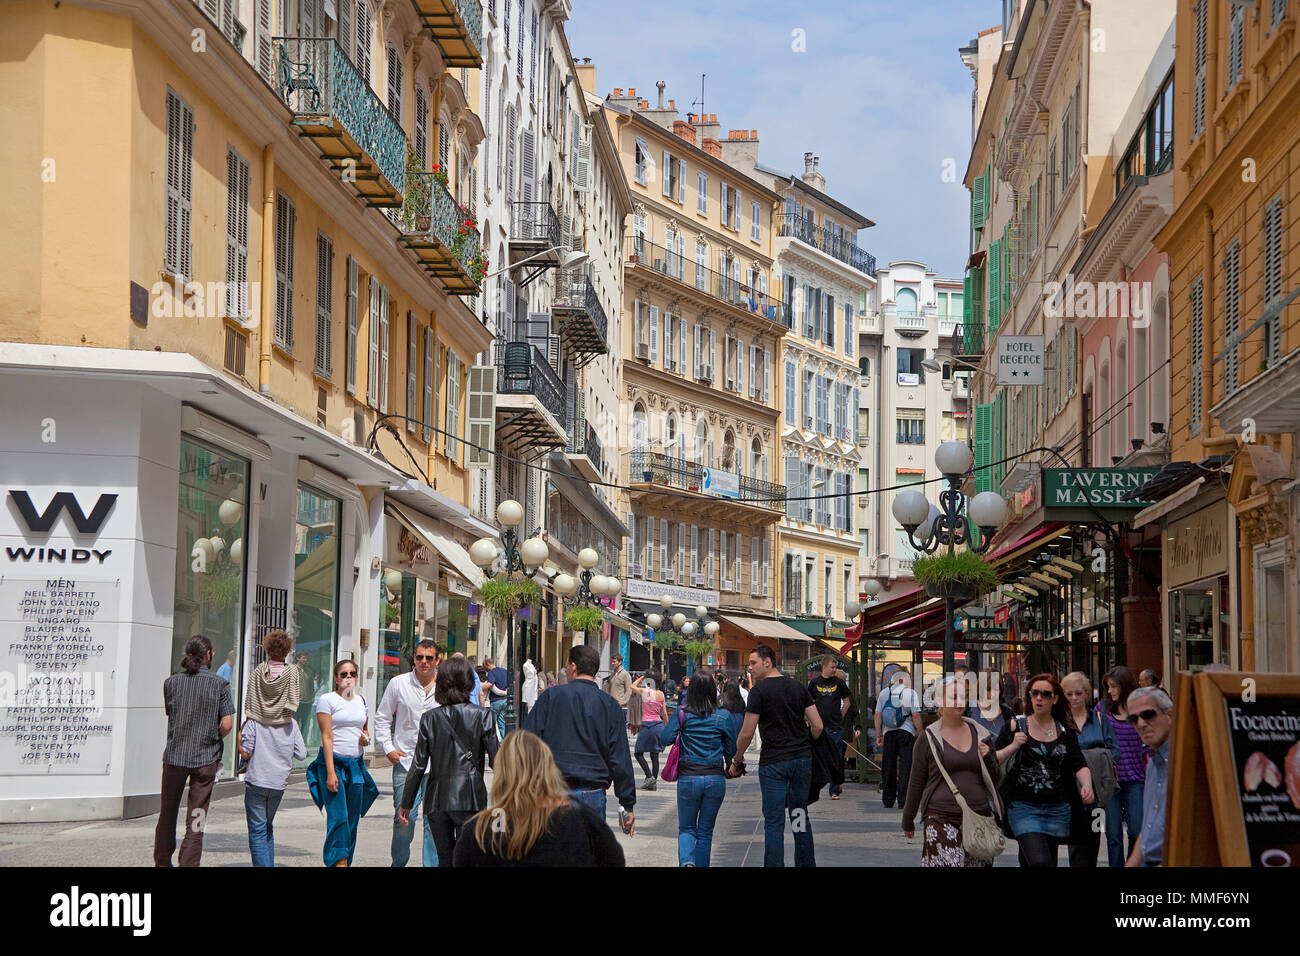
x=959 y=575
x=416 y=200
x=580 y=620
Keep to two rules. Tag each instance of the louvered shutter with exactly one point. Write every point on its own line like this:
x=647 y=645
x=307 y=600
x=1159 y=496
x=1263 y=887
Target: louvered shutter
x=713 y=352
x=362 y=59
x=527 y=167
x=724 y=559
x=426 y=413
x=681 y=181
x=681 y=554
x=753 y=566
x=395 y=83
x=663 y=549
x=582 y=149
x=767 y=375
x=237 y=173
x=753 y=369
x=665 y=174
x=324 y=305
x=350 y=346
x=695 y=337
x=262 y=38
x=977 y=208
x=482 y=417
x=695 y=556
x=453 y=406
x=441 y=439
x=740 y=365
x=422 y=128
x=681 y=344
x=285 y=221
x=1231 y=315
x=412 y=367
x=737 y=199
x=180 y=170
x=384 y=302
x=511 y=147
x=1273 y=278
x=654 y=333
x=372 y=370
x=766 y=565
x=715 y=568
x=995 y=286
x=1198 y=356
x=983 y=447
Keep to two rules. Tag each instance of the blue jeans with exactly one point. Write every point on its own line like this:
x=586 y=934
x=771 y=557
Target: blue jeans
x=498 y=706
x=592 y=798
x=403 y=834
x=260 y=805
x=785 y=785
x=698 y=801
x=837 y=738
x=1125 y=805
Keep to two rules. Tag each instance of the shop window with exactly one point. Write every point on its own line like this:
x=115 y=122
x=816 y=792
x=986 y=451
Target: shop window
x=315 y=598
x=210 y=563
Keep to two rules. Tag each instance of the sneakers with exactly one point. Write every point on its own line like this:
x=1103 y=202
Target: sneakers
x=650 y=784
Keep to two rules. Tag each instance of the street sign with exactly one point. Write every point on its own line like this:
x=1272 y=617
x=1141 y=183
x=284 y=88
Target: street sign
x=1020 y=360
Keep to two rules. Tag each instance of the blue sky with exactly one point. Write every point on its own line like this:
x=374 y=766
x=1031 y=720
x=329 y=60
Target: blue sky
x=880 y=95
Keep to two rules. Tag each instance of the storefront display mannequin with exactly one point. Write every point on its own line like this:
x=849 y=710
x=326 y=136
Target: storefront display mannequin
x=529 y=692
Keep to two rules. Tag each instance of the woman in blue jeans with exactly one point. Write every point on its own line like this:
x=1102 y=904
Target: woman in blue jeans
x=1125 y=807
x=708 y=739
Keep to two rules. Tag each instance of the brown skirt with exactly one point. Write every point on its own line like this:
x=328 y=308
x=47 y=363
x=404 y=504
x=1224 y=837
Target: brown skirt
x=942 y=845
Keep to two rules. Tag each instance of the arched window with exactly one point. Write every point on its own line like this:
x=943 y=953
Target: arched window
x=1123 y=399
x=703 y=455
x=906 y=299
x=757 y=460
x=670 y=435
x=729 y=459
x=640 y=434
x=1102 y=411
x=1159 y=385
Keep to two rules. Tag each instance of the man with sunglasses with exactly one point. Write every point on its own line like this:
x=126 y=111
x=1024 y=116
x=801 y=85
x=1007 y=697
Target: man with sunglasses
x=397 y=729
x=1152 y=712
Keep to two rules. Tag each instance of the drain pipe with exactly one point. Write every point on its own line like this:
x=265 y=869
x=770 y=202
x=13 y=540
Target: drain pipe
x=267 y=298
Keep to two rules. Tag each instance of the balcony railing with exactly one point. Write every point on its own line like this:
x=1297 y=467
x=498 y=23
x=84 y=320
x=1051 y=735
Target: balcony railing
x=968 y=341
x=457 y=28
x=583 y=441
x=522 y=369
x=534 y=222
x=641 y=251
x=833 y=244
x=584 y=323
x=332 y=104
x=658 y=468
x=911 y=321
x=433 y=225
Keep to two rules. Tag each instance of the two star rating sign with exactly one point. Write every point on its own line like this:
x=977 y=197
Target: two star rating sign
x=1020 y=360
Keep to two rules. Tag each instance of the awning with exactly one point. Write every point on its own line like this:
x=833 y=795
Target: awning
x=1166 y=505
x=451 y=552
x=1029 y=544
x=619 y=621
x=769 y=627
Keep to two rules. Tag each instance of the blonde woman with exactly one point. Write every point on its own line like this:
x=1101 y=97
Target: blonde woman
x=531 y=819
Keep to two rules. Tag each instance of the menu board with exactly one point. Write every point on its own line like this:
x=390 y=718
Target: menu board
x=1264 y=736
x=57 y=667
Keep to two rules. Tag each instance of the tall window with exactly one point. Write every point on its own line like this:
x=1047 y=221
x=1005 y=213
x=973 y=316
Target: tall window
x=315 y=585
x=906 y=300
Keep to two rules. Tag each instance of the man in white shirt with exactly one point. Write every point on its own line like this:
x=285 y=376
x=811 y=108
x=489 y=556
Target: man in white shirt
x=397 y=730
x=898 y=721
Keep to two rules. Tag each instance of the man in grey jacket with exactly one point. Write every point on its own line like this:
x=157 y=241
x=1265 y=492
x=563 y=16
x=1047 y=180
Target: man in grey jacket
x=619 y=684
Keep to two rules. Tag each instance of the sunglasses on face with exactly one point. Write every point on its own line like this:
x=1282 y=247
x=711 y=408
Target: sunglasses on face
x=1036 y=692
x=425 y=657
x=343 y=674
x=1147 y=715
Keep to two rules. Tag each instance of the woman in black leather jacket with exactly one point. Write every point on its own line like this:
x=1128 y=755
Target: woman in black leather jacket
x=455 y=737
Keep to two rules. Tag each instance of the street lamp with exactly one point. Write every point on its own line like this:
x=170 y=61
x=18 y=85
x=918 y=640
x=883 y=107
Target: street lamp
x=679 y=623
x=514 y=558
x=956 y=521
x=589 y=586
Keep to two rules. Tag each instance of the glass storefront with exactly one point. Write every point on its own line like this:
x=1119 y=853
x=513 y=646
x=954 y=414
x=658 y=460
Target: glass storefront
x=1198 y=638
x=212 y=511
x=315 y=602
x=409 y=608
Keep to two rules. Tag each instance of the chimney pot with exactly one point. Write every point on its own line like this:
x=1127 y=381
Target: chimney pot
x=660 y=86
x=753 y=134
x=618 y=91
x=672 y=104
x=807 y=162
x=631 y=91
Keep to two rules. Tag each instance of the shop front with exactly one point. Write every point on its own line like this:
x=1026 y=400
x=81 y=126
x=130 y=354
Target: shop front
x=1198 y=595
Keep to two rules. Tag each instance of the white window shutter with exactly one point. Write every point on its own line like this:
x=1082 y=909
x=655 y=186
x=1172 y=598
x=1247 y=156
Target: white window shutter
x=362 y=60
x=511 y=151
x=767 y=375
x=663 y=548
x=681 y=344
x=665 y=174
x=453 y=406
x=753 y=566
x=372 y=376
x=735 y=220
x=695 y=554
x=695 y=337
x=384 y=302
x=681 y=181
x=702 y=199
x=324 y=305
x=654 y=333
x=727 y=375
x=262 y=36
x=412 y=412
x=527 y=167
x=351 y=344
x=766 y=545
x=753 y=368
x=681 y=554
x=715 y=572
x=427 y=415
x=740 y=365
x=713 y=351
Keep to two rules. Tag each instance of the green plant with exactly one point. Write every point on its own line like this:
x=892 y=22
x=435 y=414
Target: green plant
x=390 y=615
x=698 y=649
x=665 y=640
x=584 y=619
x=958 y=570
x=220 y=590
x=416 y=200
x=504 y=596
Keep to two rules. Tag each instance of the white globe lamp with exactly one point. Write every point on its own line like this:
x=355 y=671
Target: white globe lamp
x=678 y=620
x=910 y=508
x=953 y=458
x=564 y=584
x=688 y=628
x=510 y=513
x=587 y=558
x=665 y=601
x=230 y=512
x=483 y=552
x=711 y=628
x=655 y=621
x=872 y=587
x=534 y=552
x=393 y=581
x=988 y=509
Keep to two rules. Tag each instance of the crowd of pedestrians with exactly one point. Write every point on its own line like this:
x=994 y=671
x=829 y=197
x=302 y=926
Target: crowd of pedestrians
x=1044 y=774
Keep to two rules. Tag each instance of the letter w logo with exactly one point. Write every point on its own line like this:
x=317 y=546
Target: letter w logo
x=64 y=500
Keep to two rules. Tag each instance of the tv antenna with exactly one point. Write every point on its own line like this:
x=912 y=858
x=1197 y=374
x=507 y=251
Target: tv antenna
x=700 y=101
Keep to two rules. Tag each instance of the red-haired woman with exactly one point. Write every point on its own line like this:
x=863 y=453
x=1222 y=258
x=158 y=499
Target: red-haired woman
x=1039 y=786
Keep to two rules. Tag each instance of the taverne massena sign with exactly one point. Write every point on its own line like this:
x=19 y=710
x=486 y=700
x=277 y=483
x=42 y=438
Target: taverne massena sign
x=1071 y=494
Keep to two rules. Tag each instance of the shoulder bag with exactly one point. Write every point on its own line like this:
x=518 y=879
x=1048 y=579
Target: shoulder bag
x=671 y=768
x=981 y=836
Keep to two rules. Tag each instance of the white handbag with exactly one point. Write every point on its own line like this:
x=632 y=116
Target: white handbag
x=981 y=836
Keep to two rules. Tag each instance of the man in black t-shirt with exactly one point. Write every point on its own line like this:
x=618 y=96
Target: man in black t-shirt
x=831 y=695
x=782 y=710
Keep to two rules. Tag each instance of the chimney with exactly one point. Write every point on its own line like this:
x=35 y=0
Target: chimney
x=586 y=71
x=631 y=91
x=740 y=149
x=660 y=86
x=713 y=147
x=685 y=130
x=708 y=126
x=811 y=174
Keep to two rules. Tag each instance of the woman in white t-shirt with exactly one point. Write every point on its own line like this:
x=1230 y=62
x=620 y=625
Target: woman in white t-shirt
x=348 y=788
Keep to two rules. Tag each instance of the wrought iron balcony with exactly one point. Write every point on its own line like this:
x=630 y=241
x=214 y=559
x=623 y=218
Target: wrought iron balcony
x=534 y=228
x=968 y=342
x=436 y=229
x=644 y=253
x=653 y=467
x=334 y=106
x=834 y=244
x=457 y=28
x=522 y=369
x=584 y=449
x=583 y=325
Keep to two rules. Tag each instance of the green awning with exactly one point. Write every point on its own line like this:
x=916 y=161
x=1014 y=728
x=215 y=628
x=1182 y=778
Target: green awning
x=812 y=626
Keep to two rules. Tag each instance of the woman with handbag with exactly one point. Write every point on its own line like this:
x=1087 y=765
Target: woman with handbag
x=654 y=714
x=456 y=738
x=1100 y=750
x=703 y=739
x=1041 y=754
x=953 y=788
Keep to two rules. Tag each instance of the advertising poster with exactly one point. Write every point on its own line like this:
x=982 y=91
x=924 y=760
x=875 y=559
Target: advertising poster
x=1265 y=738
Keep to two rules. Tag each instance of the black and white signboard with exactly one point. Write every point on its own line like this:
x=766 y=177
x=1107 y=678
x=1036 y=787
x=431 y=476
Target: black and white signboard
x=1020 y=360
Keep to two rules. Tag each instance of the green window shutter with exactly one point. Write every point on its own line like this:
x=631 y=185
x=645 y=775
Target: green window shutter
x=998 y=450
x=1006 y=267
x=977 y=302
x=995 y=285
x=983 y=445
x=978 y=203
x=965 y=301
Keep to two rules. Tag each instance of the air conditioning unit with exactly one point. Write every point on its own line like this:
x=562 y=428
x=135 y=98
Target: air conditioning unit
x=634 y=570
x=726 y=585
x=699 y=580
x=643 y=351
x=670 y=575
x=661 y=266
x=704 y=373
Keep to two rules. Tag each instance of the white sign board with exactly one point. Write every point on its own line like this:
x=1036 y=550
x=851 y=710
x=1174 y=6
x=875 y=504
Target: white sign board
x=651 y=590
x=725 y=484
x=58 y=670
x=1020 y=360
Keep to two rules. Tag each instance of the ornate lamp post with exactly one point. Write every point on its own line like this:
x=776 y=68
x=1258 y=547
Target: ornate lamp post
x=589 y=586
x=513 y=558
x=678 y=622
x=955 y=522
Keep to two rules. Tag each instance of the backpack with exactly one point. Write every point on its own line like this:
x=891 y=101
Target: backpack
x=892 y=715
